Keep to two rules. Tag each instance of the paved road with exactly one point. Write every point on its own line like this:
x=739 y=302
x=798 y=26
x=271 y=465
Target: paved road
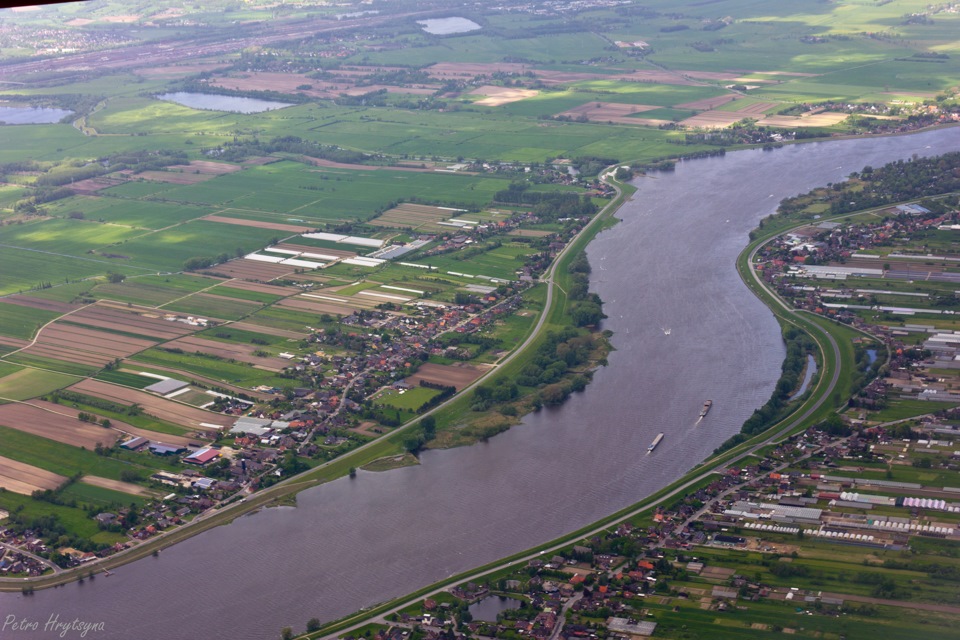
x=32 y=556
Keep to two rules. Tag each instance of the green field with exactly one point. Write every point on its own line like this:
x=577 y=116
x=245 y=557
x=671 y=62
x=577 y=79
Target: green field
x=126 y=379
x=99 y=497
x=244 y=294
x=22 y=269
x=216 y=369
x=22 y=322
x=128 y=213
x=501 y=262
x=62 y=366
x=168 y=249
x=67 y=461
x=409 y=400
x=30 y=383
x=213 y=305
x=153 y=290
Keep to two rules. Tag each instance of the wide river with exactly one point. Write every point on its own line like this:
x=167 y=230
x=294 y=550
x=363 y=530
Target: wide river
x=685 y=330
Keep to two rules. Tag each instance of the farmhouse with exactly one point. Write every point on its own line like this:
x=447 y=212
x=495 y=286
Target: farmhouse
x=134 y=444
x=160 y=449
x=202 y=456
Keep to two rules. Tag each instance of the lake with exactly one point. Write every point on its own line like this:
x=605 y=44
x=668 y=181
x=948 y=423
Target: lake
x=214 y=102
x=447 y=26
x=32 y=115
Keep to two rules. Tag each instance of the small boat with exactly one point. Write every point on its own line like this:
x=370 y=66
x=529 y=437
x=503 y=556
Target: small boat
x=706 y=408
x=656 y=441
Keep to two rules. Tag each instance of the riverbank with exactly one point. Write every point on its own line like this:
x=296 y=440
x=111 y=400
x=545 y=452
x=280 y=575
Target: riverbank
x=385 y=448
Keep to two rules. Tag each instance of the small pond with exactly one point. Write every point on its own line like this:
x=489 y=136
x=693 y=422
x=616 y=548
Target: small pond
x=486 y=610
x=446 y=26
x=213 y=102
x=32 y=115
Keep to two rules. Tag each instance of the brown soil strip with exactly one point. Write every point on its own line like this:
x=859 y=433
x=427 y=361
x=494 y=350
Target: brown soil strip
x=39 y=303
x=228 y=350
x=117 y=485
x=270 y=331
x=259 y=224
x=707 y=103
x=318 y=162
x=54 y=426
x=25 y=479
x=175 y=177
x=445 y=374
x=162 y=408
x=252 y=270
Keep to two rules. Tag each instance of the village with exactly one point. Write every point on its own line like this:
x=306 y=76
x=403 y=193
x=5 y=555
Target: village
x=357 y=375
x=812 y=496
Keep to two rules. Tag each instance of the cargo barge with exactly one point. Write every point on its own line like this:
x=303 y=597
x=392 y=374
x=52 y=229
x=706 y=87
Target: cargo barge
x=656 y=441
x=706 y=408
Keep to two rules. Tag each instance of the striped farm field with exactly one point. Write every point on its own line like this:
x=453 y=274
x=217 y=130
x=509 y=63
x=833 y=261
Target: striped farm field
x=30 y=383
x=232 y=351
x=149 y=324
x=55 y=423
x=162 y=408
x=77 y=344
x=25 y=479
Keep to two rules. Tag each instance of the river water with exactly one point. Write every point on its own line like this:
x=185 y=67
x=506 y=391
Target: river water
x=686 y=330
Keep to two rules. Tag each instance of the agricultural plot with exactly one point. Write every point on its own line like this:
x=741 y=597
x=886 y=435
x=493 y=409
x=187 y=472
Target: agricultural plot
x=231 y=351
x=253 y=295
x=55 y=423
x=276 y=318
x=613 y=112
x=168 y=249
x=501 y=262
x=258 y=330
x=153 y=290
x=67 y=460
x=146 y=323
x=213 y=368
x=25 y=479
x=136 y=188
x=498 y=96
x=321 y=303
x=248 y=269
x=275 y=226
x=407 y=399
x=72 y=237
x=131 y=213
x=162 y=408
x=314 y=249
x=60 y=422
x=75 y=344
x=458 y=376
x=213 y=306
x=22 y=269
x=30 y=383
x=106 y=492
x=416 y=217
x=22 y=321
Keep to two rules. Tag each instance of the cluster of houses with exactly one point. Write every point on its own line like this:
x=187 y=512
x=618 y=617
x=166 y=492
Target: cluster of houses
x=600 y=587
x=14 y=561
